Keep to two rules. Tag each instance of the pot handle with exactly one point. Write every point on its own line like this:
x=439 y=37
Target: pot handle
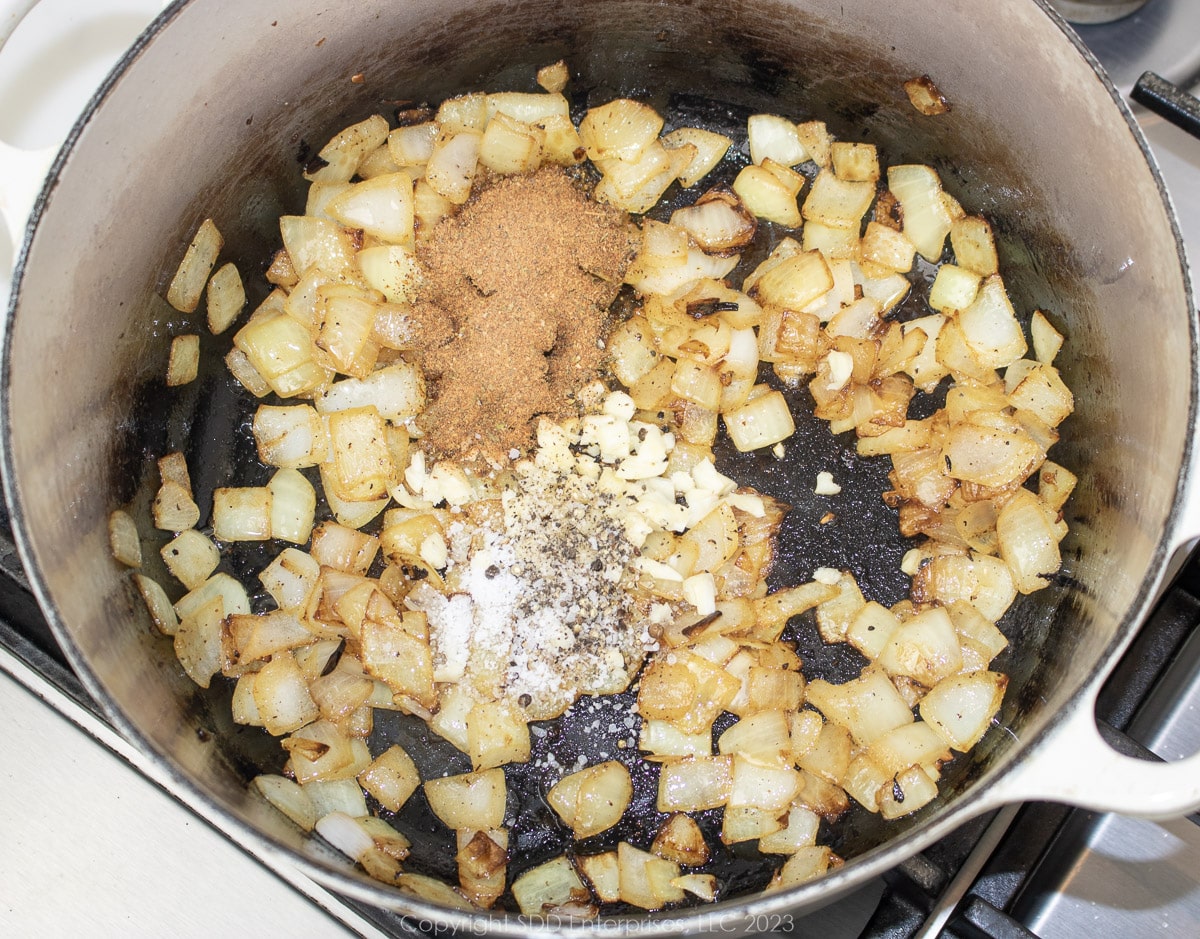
x=24 y=170
x=1076 y=766
x=24 y=173
x=1169 y=101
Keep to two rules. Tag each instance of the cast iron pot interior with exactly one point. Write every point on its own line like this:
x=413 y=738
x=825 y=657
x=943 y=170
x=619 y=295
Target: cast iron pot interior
x=213 y=116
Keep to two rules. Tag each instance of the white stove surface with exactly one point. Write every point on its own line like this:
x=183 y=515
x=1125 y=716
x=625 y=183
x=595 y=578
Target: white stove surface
x=92 y=846
x=89 y=844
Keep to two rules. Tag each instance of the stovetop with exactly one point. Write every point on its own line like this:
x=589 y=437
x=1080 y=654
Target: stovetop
x=98 y=846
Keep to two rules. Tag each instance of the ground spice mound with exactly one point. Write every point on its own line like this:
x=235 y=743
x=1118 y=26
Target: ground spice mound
x=515 y=294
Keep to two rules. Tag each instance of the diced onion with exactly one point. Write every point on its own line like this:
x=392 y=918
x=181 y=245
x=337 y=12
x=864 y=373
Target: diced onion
x=681 y=840
x=927 y=223
x=226 y=297
x=391 y=778
x=191 y=557
x=954 y=288
x=184 y=362
x=291 y=578
x=709 y=147
x=748 y=823
x=162 y=613
x=1027 y=542
x=855 y=162
x=257 y=636
x=603 y=873
x=961 y=707
x=990 y=326
x=913 y=744
x=911 y=790
x=621 y=129
x=761 y=422
x=198 y=641
x=764 y=737
x=923 y=647
x=293 y=506
x=242 y=513
x=452 y=165
x=364 y=621
x=554 y=77
x=799 y=832
x=868 y=706
x=774 y=137
x=471 y=800
x=496 y=735
x=694 y=784
x=546 y=887
x=291 y=436
x=838 y=203
x=925 y=96
x=704 y=886
x=804 y=865
x=282 y=697
x=339 y=795
x=974 y=246
x=346 y=150
x=289 y=798
x=717 y=225
x=123 y=539
x=767 y=197
x=645 y=880
x=381 y=206
x=592 y=800
x=231 y=591
x=187 y=287
x=511 y=146
x=174 y=509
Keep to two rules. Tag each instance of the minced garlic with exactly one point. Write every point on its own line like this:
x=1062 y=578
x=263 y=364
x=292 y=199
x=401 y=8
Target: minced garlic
x=541 y=613
x=539 y=606
x=825 y=485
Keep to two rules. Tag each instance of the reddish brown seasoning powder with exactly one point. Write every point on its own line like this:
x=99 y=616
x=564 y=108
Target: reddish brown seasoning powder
x=514 y=302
